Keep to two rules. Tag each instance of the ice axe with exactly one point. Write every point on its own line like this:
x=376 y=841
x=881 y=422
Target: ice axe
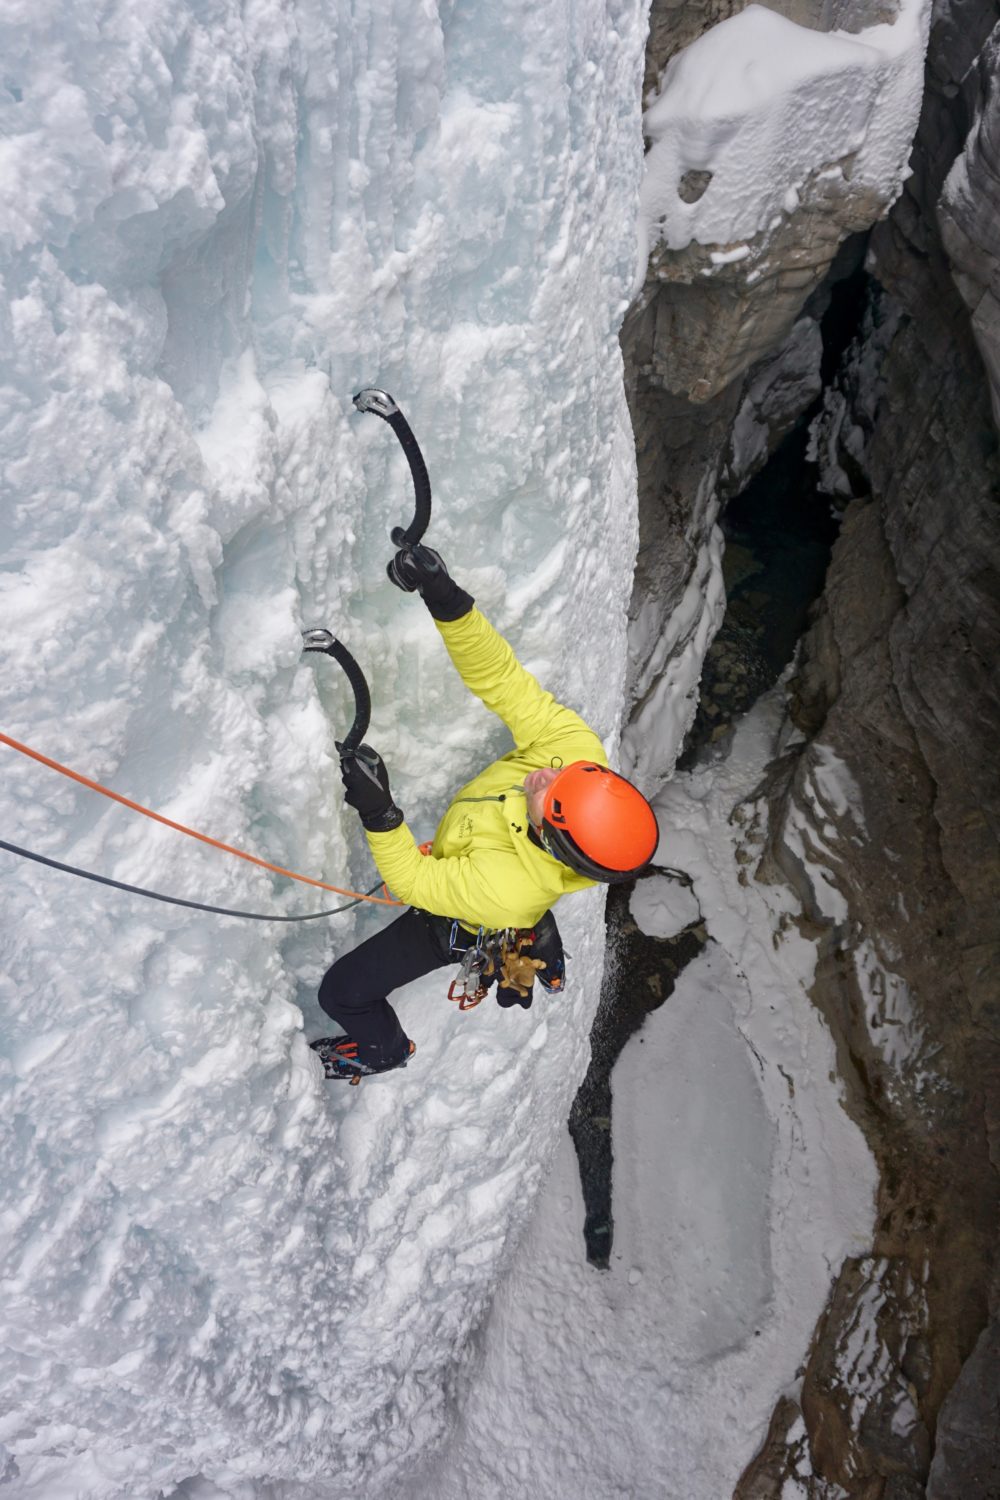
x=381 y=403
x=318 y=639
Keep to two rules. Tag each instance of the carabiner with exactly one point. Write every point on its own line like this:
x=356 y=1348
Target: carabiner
x=464 y=999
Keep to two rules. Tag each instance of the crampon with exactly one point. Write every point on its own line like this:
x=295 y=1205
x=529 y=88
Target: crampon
x=339 y=1056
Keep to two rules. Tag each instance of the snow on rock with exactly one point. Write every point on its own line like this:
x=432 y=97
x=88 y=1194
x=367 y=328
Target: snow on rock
x=829 y=808
x=662 y=907
x=770 y=144
x=758 y=104
x=889 y=1010
x=878 y=1311
x=218 y=222
x=781 y=389
x=840 y=433
x=740 y=1186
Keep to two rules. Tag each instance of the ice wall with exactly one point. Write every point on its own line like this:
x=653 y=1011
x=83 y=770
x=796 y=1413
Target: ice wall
x=217 y=221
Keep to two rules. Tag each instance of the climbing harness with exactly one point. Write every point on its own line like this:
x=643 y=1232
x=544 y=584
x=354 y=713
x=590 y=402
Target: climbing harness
x=479 y=961
x=315 y=640
x=500 y=955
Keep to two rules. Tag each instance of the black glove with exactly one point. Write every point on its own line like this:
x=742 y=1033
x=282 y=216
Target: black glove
x=542 y=944
x=421 y=569
x=506 y=997
x=366 y=788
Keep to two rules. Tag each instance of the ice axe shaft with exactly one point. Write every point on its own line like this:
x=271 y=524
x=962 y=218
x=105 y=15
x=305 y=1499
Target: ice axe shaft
x=318 y=639
x=381 y=403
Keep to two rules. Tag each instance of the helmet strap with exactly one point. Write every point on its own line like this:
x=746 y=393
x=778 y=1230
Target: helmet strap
x=535 y=838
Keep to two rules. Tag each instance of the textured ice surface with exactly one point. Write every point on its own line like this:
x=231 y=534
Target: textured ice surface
x=218 y=221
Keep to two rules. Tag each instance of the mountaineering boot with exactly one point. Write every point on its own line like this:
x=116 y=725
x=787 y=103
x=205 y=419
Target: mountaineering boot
x=339 y=1056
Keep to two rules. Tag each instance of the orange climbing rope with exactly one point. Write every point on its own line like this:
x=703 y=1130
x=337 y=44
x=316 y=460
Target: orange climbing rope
x=95 y=786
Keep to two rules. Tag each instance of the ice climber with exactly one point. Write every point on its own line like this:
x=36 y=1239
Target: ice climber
x=545 y=819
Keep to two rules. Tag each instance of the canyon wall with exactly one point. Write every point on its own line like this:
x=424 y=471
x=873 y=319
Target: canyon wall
x=898 y=682
x=897 y=689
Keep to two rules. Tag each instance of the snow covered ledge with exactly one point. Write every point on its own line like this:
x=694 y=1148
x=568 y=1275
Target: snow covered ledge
x=770 y=142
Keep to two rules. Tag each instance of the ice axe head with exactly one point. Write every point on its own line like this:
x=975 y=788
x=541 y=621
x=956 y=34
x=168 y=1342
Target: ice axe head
x=380 y=402
x=318 y=639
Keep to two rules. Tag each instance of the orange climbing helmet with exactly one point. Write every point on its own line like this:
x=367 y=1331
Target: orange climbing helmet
x=598 y=823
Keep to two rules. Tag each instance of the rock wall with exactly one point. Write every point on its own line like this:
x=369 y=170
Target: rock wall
x=692 y=456
x=898 y=690
x=722 y=344
x=898 y=685
x=969 y=209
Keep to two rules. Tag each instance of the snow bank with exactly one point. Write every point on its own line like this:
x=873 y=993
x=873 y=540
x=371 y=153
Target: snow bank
x=218 y=222
x=662 y=907
x=757 y=105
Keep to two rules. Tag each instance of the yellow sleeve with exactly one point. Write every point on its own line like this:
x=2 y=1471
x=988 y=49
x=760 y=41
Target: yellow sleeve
x=489 y=668
x=454 y=887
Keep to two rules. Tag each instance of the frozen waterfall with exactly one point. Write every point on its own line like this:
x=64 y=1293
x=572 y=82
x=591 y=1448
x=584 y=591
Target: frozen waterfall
x=218 y=221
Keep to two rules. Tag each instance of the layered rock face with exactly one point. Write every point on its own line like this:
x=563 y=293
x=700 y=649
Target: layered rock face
x=897 y=689
x=771 y=145
x=900 y=1396
x=969 y=211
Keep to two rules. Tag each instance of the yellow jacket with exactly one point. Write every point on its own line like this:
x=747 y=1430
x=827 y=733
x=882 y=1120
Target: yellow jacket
x=482 y=868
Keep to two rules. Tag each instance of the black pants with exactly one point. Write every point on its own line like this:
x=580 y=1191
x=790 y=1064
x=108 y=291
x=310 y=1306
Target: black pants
x=353 y=991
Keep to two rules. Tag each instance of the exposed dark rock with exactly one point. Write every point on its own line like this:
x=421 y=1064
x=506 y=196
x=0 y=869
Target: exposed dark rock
x=967 y=1461
x=899 y=688
x=896 y=791
x=969 y=210
x=693 y=185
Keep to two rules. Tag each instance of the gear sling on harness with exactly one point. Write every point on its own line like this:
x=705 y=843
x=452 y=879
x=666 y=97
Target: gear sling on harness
x=503 y=957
